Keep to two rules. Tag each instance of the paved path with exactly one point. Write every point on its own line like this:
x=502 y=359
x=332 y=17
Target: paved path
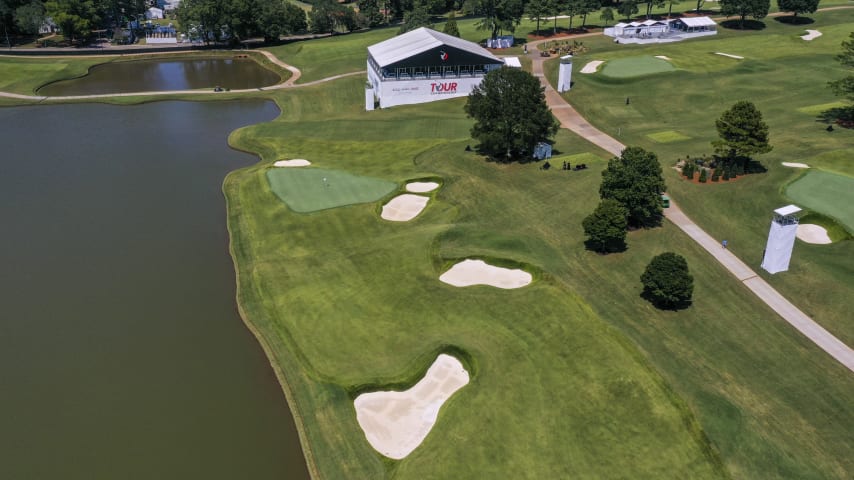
x=570 y=119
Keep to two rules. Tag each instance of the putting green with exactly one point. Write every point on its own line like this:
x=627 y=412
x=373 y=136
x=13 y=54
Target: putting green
x=827 y=193
x=667 y=136
x=636 y=67
x=307 y=190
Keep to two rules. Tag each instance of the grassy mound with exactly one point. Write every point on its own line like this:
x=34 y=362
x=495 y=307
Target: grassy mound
x=827 y=193
x=636 y=67
x=307 y=190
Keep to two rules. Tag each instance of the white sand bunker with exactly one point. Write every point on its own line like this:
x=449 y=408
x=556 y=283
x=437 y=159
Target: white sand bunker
x=421 y=187
x=729 y=55
x=810 y=233
x=592 y=66
x=663 y=57
x=795 y=165
x=478 y=272
x=395 y=423
x=811 y=34
x=297 y=162
x=404 y=208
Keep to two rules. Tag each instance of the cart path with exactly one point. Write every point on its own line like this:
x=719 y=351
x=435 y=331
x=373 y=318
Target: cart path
x=570 y=119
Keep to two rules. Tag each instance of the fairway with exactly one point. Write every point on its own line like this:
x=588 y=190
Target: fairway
x=307 y=190
x=636 y=67
x=826 y=193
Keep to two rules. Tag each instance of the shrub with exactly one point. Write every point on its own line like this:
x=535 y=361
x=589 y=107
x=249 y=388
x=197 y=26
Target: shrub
x=667 y=282
x=703 y=175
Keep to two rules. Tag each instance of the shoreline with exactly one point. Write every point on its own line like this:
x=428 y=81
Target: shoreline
x=281 y=377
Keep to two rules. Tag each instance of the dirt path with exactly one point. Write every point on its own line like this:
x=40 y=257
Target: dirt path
x=570 y=119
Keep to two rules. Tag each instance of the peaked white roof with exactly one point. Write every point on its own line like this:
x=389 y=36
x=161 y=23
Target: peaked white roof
x=697 y=21
x=512 y=62
x=418 y=41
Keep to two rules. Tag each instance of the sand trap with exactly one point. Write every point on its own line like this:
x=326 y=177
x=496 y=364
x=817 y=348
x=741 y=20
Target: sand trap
x=478 y=272
x=730 y=56
x=663 y=57
x=592 y=66
x=421 y=187
x=395 y=423
x=795 y=165
x=297 y=162
x=811 y=34
x=812 y=234
x=404 y=208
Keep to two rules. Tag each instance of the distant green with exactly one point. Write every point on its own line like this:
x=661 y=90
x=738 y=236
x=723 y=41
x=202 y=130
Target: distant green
x=826 y=193
x=636 y=67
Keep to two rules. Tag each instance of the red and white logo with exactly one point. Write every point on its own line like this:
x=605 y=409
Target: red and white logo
x=443 y=55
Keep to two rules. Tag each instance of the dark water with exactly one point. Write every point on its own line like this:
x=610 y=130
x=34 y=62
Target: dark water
x=170 y=74
x=122 y=355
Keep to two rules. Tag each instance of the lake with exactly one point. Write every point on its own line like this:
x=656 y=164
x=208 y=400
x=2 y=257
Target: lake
x=122 y=354
x=165 y=74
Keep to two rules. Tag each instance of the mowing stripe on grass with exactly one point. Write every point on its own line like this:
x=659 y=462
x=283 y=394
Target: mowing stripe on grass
x=307 y=190
x=826 y=193
x=818 y=109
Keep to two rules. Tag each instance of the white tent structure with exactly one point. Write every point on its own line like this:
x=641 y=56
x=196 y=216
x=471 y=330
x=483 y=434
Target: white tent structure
x=424 y=65
x=153 y=13
x=781 y=239
x=658 y=31
x=694 y=24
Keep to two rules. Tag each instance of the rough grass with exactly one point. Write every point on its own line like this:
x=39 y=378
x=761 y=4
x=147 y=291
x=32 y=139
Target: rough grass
x=826 y=193
x=307 y=190
x=25 y=75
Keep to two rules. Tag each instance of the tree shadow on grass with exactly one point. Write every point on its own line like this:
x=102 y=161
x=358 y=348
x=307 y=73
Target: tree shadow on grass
x=793 y=20
x=673 y=306
x=747 y=25
x=841 y=116
x=611 y=247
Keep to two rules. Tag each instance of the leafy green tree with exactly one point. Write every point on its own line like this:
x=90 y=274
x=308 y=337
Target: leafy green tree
x=74 y=17
x=742 y=133
x=845 y=87
x=451 y=25
x=667 y=283
x=607 y=15
x=588 y=7
x=700 y=4
x=537 y=10
x=634 y=179
x=757 y=9
x=320 y=18
x=628 y=8
x=606 y=227
x=798 y=6
x=500 y=15
x=371 y=10
x=510 y=113
x=572 y=8
x=276 y=18
x=30 y=17
x=418 y=17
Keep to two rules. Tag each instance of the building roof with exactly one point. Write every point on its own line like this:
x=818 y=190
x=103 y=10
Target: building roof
x=512 y=62
x=418 y=41
x=697 y=21
x=788 y=210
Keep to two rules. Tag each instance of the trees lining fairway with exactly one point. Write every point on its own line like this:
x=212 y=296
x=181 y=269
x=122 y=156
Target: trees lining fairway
x=510 y=113
x=756 y=9
x=606 y=227
x=634 y=180
x=742 y=133
x=798 y=6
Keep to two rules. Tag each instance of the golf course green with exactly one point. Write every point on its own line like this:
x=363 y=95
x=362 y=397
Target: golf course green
x=575 y=375
x=827 y=193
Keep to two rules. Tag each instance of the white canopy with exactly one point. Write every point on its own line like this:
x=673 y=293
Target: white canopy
x=698 y=21
x=512 y=62
x=421 y=40
x=787 y=210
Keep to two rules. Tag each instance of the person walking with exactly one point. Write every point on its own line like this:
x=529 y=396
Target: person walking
x=724 y=244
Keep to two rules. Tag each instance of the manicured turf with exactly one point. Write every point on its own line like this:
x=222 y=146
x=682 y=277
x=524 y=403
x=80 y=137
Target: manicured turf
x=636 y=67
x=781 y=74
x=667 y=136
x=826 y=193
x=558 y=389
x=24 y=76
x=814 y=110
x=307 y=190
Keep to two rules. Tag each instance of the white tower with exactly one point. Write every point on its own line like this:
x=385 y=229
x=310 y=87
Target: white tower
x=564 y=77
x=781 y=239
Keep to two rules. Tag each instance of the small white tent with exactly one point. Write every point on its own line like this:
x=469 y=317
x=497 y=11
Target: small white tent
x=153 y=13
